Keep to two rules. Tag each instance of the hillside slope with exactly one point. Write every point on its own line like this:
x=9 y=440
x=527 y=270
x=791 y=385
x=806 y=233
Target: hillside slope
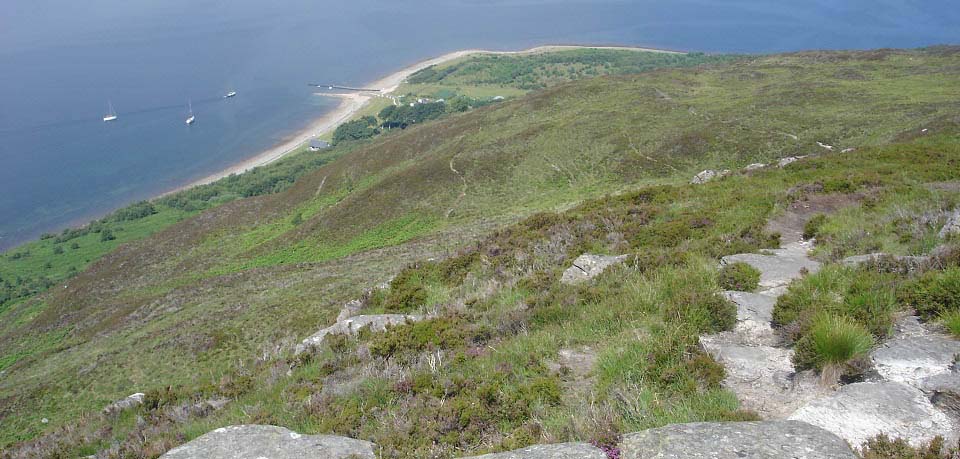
x=182 y=307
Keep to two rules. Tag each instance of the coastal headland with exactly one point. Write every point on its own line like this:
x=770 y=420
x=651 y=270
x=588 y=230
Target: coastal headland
x=352 y=103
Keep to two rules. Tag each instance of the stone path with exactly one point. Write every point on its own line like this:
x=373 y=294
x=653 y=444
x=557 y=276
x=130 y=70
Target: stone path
x=914 y=395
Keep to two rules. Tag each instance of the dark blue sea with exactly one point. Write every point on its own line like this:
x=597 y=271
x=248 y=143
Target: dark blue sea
x=61 y=61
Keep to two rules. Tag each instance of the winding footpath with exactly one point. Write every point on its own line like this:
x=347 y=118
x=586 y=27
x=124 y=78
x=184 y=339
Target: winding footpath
x=912 y=394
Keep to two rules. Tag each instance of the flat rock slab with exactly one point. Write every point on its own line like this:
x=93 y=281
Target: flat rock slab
x=376 y=322
x=588 y=266
x=258 y=441
x=778 y=267
x=857 y=412
x=754 y=313
x=735 y=440
x=763 y=377
x=914 y=353
x=555 y=451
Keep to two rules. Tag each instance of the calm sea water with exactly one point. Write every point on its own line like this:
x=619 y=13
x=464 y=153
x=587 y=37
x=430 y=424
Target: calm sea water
x=61 y=61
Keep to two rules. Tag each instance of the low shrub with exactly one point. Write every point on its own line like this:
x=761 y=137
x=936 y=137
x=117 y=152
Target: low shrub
x=934 y=293
x=739 y=276
x=867 y=297
x=951 y=320
x=812 y=227
x=832 y=340
x=705 y=311
x=442 y=332
x=883 y=447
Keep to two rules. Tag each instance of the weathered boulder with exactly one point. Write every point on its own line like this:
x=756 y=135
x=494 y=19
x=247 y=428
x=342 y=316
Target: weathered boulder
x=857 y=412
x=708 y=175
x=754 y=166
x=120 y=405
x=914 y=353
x=258 y=441
x=778 y=267
x=588 y=266
x=735 y=440
x=376 y=322
x=944 y=392
x=555 y=451
x=952 y=227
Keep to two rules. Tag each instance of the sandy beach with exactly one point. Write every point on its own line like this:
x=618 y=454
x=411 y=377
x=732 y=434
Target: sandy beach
x=352 y=103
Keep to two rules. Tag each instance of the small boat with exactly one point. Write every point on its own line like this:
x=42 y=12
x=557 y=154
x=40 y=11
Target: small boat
x=191 y=118
x=230 y=94
x=111 y=114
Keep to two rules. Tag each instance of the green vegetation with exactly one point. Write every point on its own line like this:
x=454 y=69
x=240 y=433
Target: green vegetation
x=951 y=320
x=832 y=340
x=739 y=276
x=478 y=214
x=542 y=70
x=865 y=296
x=934 y=293
x=883 y=447
x=362 y=128
x=812 y=227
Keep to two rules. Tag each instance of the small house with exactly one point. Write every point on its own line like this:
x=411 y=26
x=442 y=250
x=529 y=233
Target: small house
x=317 y=145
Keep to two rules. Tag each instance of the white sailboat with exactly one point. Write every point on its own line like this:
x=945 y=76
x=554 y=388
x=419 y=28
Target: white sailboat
x=191 y=118
x=111 y=114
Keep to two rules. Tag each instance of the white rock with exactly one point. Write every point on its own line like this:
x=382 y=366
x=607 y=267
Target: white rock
x=914 y=353
x=588 y=266
x=708 y=175
x=351 y=326
x=860 y=411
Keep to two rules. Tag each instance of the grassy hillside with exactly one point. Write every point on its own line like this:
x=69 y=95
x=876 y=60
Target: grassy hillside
x=182 y=307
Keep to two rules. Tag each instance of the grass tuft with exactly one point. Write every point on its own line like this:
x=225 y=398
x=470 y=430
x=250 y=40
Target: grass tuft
x=739 y=276
x=833 y=340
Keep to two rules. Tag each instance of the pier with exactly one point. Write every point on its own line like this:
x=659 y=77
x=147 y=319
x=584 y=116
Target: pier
x=346 y=88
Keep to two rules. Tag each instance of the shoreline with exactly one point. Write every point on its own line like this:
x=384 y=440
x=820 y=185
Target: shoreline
x=352 y=103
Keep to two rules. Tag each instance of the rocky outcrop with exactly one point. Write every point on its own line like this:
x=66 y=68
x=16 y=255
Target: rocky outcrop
x=258 y=441
x=588 y=266
x=753 y=167
x=708 y=175
x=121 y=405
x=789 y=160
x=351 y=326
x=555 y=451
x=860 y=411
x=914 y=353
x=735 y=440
x=952 y=227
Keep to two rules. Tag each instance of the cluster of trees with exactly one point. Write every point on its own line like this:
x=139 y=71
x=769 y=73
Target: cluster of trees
x=401 y=116
x=257 y=182
x=362 y=128
x=20 y=287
